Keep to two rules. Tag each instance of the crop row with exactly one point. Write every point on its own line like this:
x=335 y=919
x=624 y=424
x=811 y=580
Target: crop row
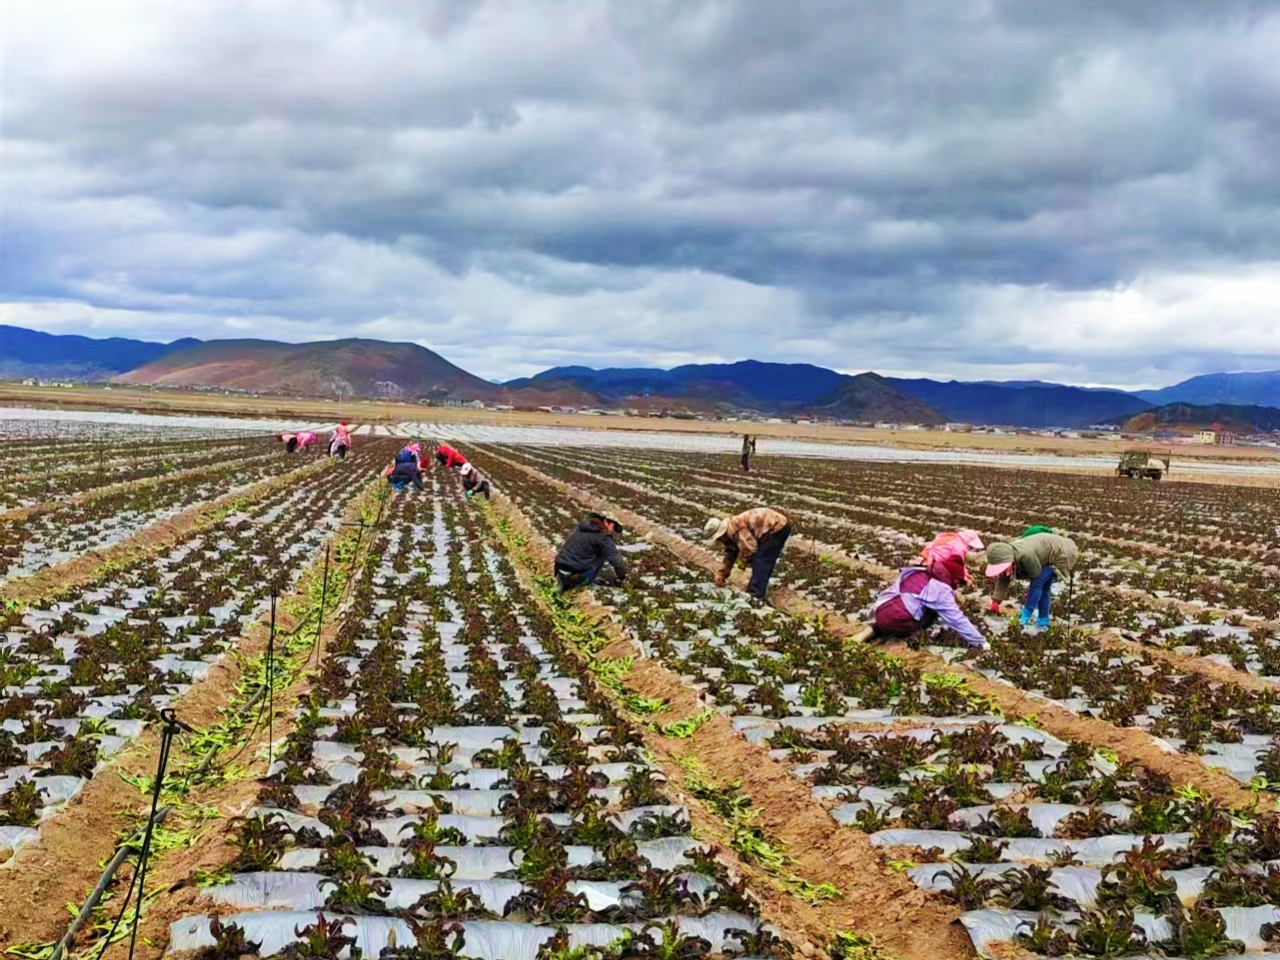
x=69 y=529
x=1231 y=726
x=82 y=675
x=32 y=475
x=1023 y=826
x=456 y=785
x=1092 y=601
x=1204 y=542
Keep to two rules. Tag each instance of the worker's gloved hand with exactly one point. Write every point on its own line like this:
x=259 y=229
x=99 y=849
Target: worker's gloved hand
x=995 y=606
x=468 y=494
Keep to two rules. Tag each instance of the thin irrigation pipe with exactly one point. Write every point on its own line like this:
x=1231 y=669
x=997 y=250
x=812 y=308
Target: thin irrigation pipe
x=108 y=874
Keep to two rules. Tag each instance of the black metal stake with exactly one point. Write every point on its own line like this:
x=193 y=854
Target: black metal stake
x=271 y=684
x=172 y=727
x=1186 y=586
x=324 y=598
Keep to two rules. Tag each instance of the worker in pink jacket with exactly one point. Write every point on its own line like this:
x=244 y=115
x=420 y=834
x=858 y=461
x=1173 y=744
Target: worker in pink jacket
x=293 y=442
x=340 y=441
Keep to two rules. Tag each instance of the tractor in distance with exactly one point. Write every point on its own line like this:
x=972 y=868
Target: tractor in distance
x=1142 y=465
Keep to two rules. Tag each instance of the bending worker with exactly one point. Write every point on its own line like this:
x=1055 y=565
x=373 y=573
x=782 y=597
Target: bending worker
x=473 y=481
x=293 y=442
x=754 y=537
x=584 y=553
x=919 y=598
x=446 y=456
x=405 y=471
x=1040 y=559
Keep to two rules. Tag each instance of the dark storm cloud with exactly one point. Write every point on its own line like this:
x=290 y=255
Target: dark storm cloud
x=924 y=187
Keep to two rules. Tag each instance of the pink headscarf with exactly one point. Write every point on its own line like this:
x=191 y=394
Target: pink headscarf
x=948 y=544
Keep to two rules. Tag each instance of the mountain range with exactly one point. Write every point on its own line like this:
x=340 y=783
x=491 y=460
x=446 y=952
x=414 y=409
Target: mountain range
x=373 y=368
x=30 y=353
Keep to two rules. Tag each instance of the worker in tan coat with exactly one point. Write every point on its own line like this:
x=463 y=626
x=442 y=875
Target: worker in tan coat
x=753 y=538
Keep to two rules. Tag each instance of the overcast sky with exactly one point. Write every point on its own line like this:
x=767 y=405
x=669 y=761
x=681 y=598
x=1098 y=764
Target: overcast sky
x=1086 y=191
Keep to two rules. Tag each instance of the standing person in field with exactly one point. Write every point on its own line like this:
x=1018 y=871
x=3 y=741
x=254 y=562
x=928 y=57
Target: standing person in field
x=1039 y=559
x=748 y=448
x=584 y=553
x=473 y=481
x=753 y=538
x=446 y=456
x=340 y=441
x=404 y=471
x=919 y=598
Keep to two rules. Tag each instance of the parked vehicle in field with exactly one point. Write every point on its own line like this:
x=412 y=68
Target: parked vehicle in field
x=1141 y=465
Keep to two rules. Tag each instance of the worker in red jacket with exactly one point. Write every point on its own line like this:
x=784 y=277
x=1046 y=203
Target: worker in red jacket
x=446 y=456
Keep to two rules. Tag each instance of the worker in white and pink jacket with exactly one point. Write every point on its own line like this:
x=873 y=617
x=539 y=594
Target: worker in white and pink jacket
x=340 y=441
x=920 y=597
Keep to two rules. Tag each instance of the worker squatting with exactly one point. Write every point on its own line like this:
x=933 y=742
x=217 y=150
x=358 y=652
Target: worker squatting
x=920 y=596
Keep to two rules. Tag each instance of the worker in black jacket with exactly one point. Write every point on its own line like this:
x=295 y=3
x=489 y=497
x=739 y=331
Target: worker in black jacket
x=585 y=552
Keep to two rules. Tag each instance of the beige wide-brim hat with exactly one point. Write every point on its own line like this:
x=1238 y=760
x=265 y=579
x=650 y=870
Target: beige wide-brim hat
x=715 y=528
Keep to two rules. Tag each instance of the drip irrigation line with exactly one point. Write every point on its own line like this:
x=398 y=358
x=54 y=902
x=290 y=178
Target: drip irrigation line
x=108 y=874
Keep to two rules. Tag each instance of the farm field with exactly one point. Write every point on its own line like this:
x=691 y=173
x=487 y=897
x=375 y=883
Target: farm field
x=434 y=754
x=1169 y=655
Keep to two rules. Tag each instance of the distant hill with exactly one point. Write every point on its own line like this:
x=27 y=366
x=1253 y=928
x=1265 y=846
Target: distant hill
x=802 y=387
x=1023 y=404
x=1188 y=417
x=30 y=353
x=334 y=368
x=872 y=398
x=748 y=384
x=1238 y=389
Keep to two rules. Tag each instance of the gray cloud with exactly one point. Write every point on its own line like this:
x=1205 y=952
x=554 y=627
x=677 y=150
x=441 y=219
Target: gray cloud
x=985 y=188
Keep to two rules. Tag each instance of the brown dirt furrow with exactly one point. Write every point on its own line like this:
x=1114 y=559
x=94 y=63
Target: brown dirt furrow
x=875 y=900
x=74 y=845
x=47 y=506
x=147 y=542
x=1128 y=743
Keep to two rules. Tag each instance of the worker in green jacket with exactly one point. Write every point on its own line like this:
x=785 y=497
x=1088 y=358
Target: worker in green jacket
x=1040 y=559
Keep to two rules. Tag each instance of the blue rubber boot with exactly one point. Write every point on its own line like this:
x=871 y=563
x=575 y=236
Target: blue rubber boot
x=1042 y=623
x=1024 y=618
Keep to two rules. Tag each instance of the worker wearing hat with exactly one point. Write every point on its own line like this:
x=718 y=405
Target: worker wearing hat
x=752 y=538
x=473 y=481
x=586 y=550
x=1040 y=559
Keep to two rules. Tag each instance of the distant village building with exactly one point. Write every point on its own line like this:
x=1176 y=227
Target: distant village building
x=455 y=401
x=958 y=427
x=1207 y=437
